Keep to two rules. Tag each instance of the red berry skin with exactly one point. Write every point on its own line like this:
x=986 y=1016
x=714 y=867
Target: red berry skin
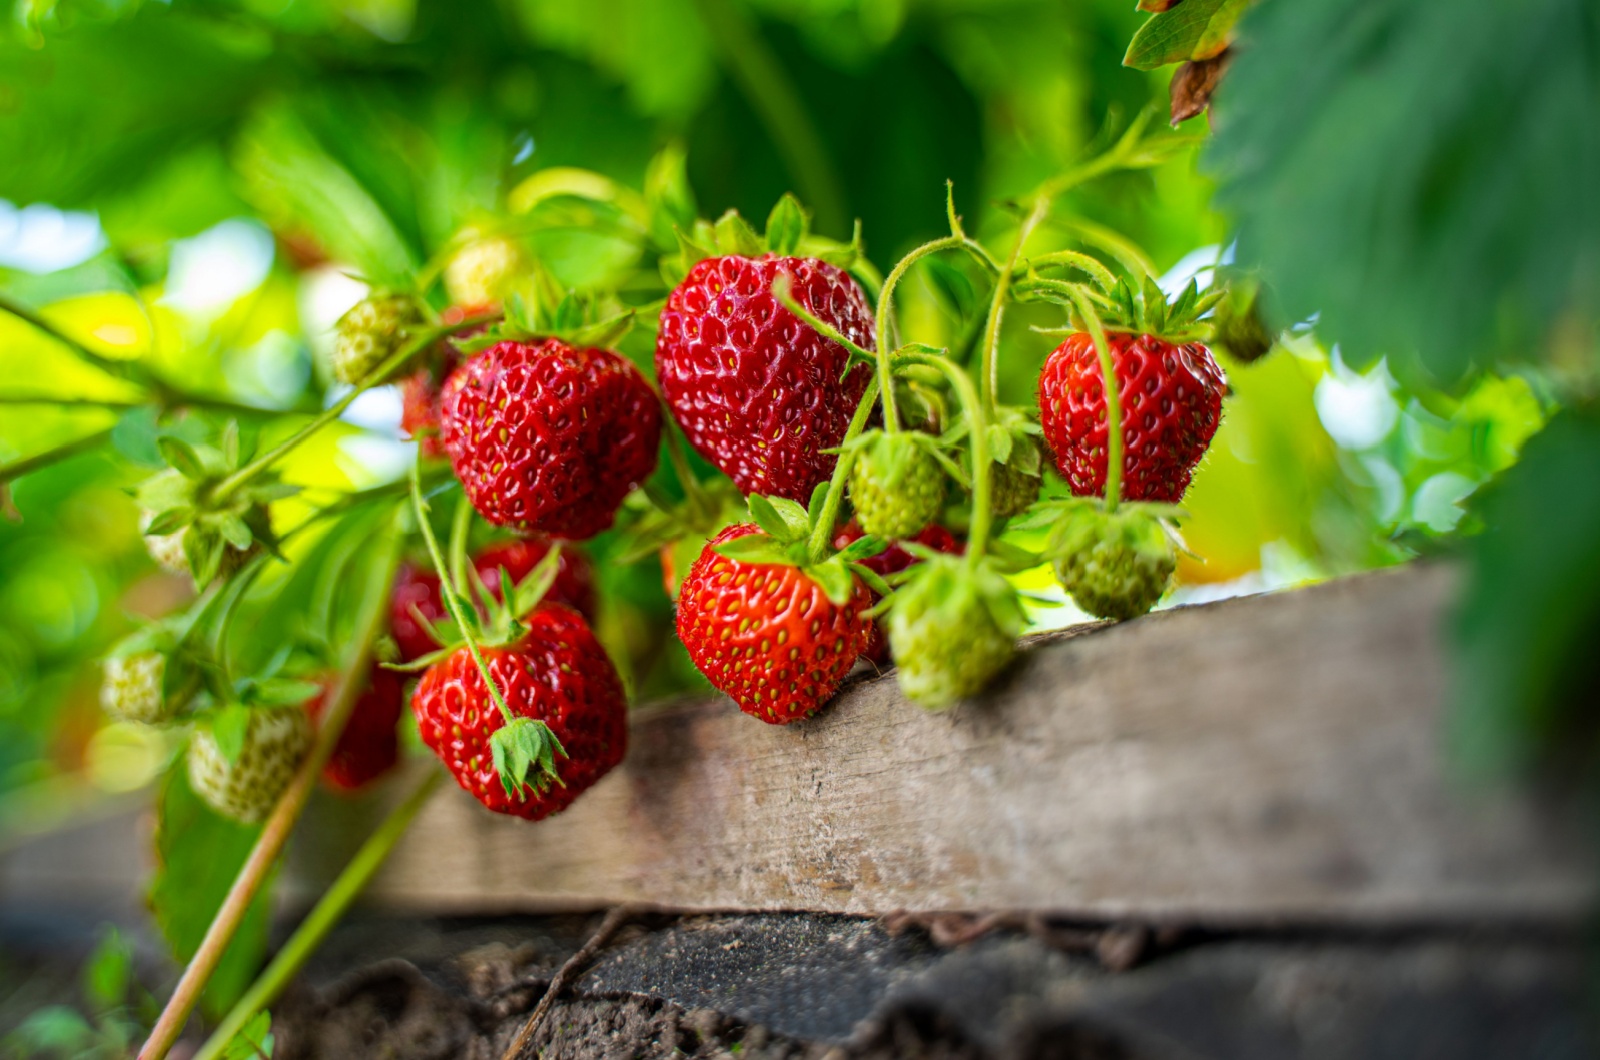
x=419 y=412
x=369 y=746
x=548 y=438
x=892 y=560
x=757 y=392
x=574 y=586
x=558 y=674
x=1171 y=405
x=766 y=634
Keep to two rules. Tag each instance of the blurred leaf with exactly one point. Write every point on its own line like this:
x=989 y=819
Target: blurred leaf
x=133 y=94
x=1387 y=176
x=110 y=968
x=1197 y=29
x=1526 y=669
x=52 y=1031
x=198 y=854
x=254 y=1040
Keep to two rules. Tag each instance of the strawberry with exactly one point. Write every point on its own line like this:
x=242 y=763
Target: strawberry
x=369 y=746
x=770 y=634
x=759 y=393
x=370 y=333
x=952 y=626
x=486 y=269
x=547 y=437
x=893 y=560
x=419 y=404
x=247 y=784
x=556 y=673
x=1171 y=404
x=419 y=588
x=896 y=483
x=1015 y=483
x=1115 y=565
x=134 y=688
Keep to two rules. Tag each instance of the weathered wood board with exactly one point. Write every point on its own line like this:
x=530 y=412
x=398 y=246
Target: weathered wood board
x=1266 y=759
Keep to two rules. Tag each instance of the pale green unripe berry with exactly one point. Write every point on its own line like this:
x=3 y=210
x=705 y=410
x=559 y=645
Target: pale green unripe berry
x=133 y=688
x=485 y=272
x=896 y=510
x=246 y=789
x=370 y=333
x=1117 y=566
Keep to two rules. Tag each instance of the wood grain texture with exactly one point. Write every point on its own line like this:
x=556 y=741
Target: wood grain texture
x=1266 y=759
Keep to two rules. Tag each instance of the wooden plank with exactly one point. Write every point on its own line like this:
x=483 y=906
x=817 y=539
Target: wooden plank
x=1263 y=759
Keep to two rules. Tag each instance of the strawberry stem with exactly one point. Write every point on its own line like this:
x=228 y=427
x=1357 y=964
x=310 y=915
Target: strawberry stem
x=275 y=833
x=452 y=601
x=982 y=473
x=1108 y=383
x=28 y=464
x=989 y=367
x=321 y=920
x=822 y=533
x=412 y=346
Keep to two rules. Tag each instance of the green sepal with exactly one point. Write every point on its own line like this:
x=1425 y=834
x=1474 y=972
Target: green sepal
x=170 y=521
x=229 y=724
x=872 y=578
x=735 y=236
x=863 y=547
x=755 y=548
x=787 y=226
x=518 y=747
x=531 y=591
x=780 y=517
x=181 y=456
x=837 y=581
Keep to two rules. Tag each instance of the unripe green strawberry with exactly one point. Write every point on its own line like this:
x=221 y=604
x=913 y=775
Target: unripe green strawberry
x=276 y=739
x=371 y=332
x=134 y=688
x=1015 y=484
x=951 y=629
x=484 y=273
x=1115 y=565
x=896 y=485
x=166 y=549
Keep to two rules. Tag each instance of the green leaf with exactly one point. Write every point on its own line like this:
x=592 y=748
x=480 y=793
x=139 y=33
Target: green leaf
x=198 y=854
x=753 y=548
x=110 y=969
x=181 y=456
x=1458 y=229
x=999 y=443
x=1195 y=29
x=229 y=726
x=1525 y=665
x=519 y=747
x=54 y=1030
x=234 y=530
x=735 y=236
x=786 y=226
x=280 y=692
x=780 y=517
x=254 y=1040
x=170 y=522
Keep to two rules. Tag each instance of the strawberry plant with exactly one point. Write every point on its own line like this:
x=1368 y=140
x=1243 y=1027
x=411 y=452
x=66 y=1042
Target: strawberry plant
x=655 y=452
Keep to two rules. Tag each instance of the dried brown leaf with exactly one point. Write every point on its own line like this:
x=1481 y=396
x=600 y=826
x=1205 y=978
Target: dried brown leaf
x=1194 y=83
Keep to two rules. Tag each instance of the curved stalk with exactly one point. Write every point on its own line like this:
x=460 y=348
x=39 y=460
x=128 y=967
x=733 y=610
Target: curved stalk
x=982 y=473
x=29 y=464
x=315 y=927
x=988 y=370
x=379 y=375
x=822 y=533
x=1108 y=383
x=275 y=833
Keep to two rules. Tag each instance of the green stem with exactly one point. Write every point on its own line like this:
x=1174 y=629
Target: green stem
x=120 y=369
x=989 y=365
x=1108 y=383
x=761 y=77
x=414 y=345
x=452 y=601
x=891 y=415
x=982 y=473
x=275 y=833
x=822 y=533
x=29 y=464
x=309 y=935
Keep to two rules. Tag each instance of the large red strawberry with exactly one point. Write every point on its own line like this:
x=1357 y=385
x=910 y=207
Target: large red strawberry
x=547 y=437
x=1171 y=404
x=893 y=560
x=757 y=392
x=558 y=674
x=369 y=746
x=767 y=634
x=418 y=587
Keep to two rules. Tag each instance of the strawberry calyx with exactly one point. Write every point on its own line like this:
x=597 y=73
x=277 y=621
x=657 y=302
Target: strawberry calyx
x=217 y=534
x=785 y=541
x=787 y=234
x=581 y=320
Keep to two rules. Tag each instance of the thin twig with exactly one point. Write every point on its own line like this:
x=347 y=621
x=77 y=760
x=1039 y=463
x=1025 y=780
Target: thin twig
x=618 y=916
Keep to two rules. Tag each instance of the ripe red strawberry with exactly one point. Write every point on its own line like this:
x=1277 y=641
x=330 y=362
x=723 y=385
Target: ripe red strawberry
x=419 y=405
x=369 y=746
x=419 y=587
x=549 y=438
x=767 y=634
x=1171 y=404
x=558 y=674
x=758 y=392
x=893 y=560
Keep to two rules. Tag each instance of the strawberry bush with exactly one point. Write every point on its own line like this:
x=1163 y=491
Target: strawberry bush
x=567 y=378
